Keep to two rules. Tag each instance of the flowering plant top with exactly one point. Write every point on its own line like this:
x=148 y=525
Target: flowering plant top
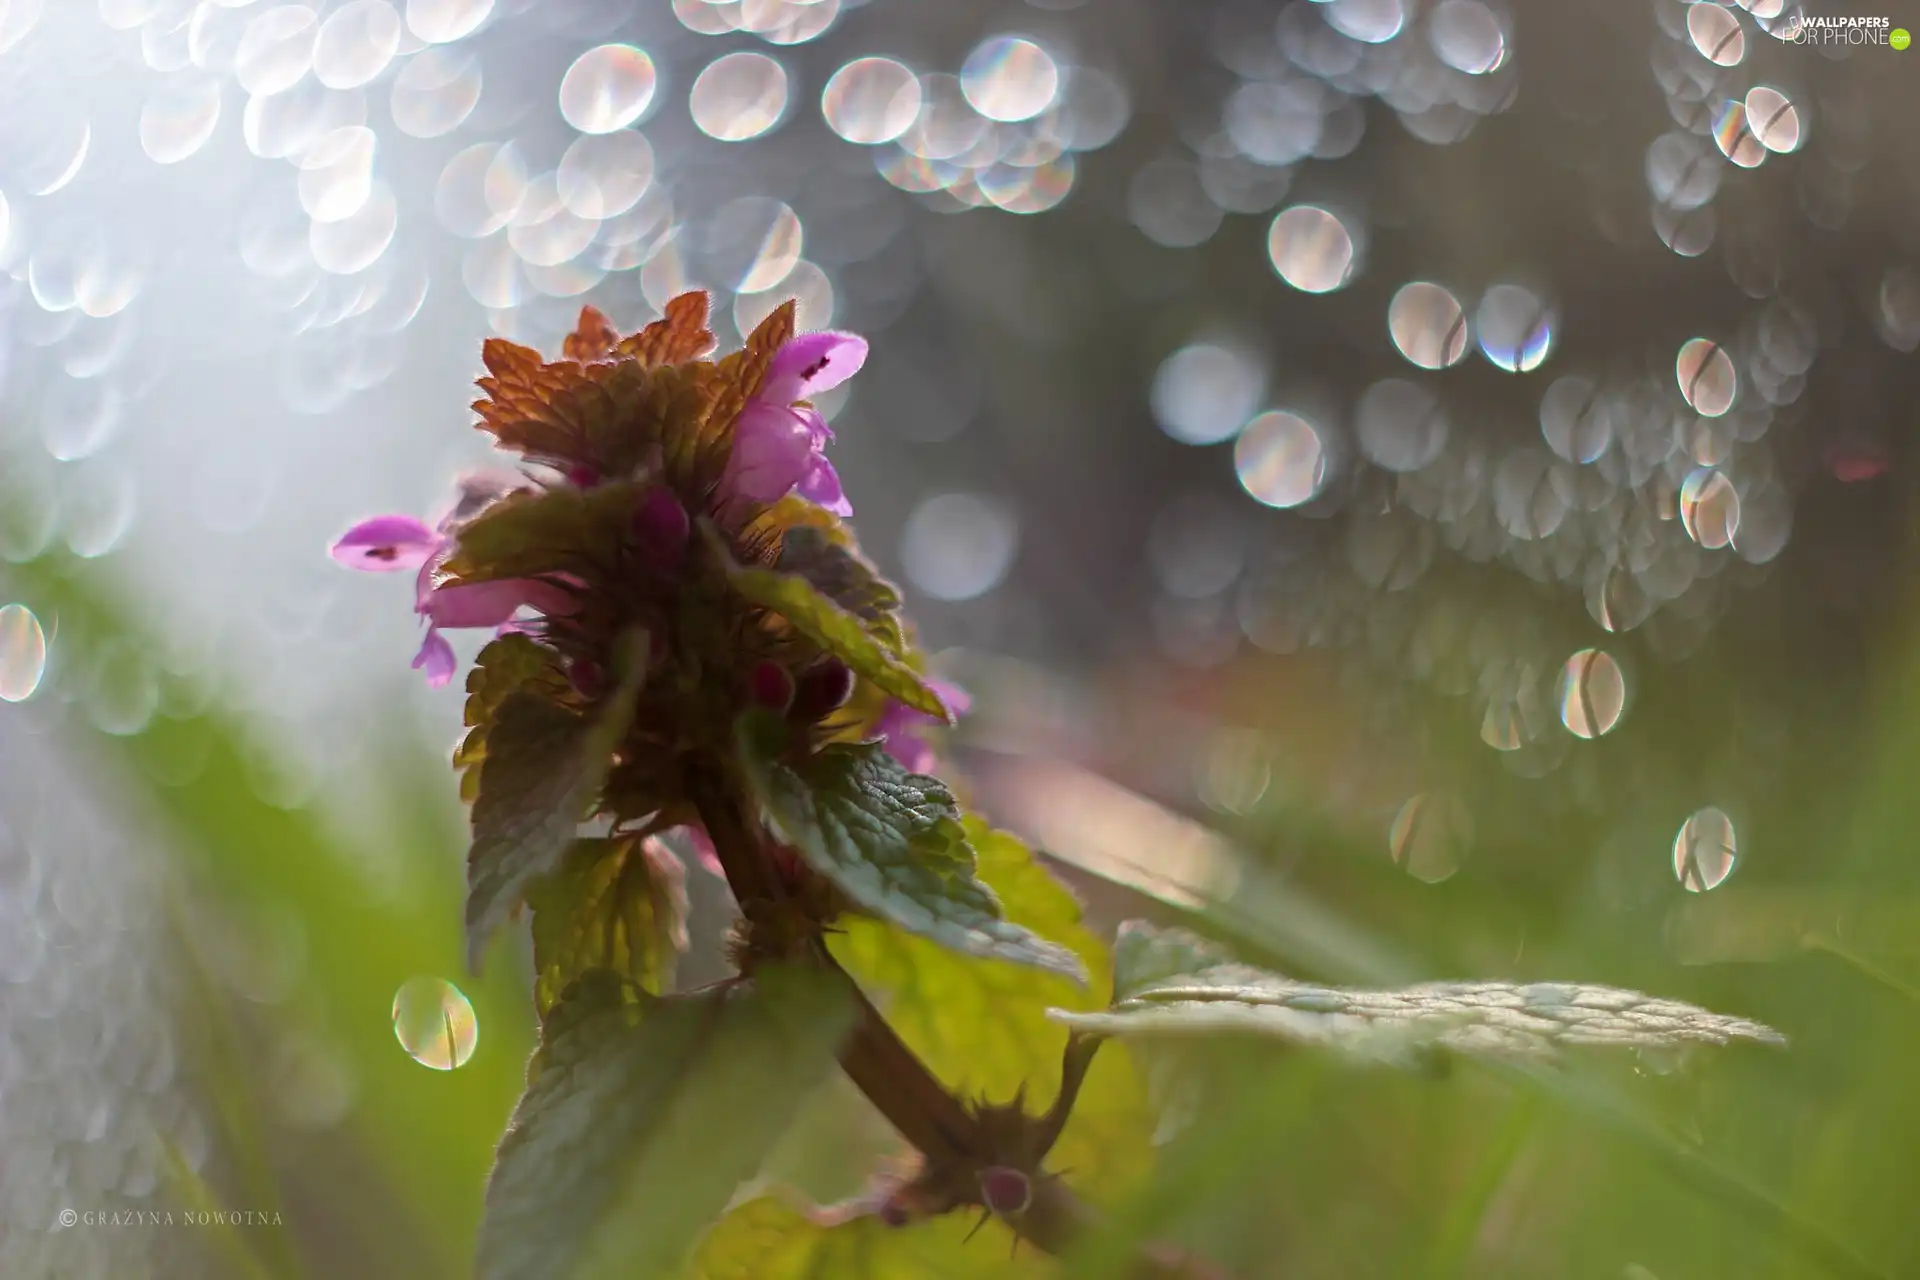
x=687 y=639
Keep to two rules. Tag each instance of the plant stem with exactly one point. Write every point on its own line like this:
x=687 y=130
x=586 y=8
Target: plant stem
x=899 y=1085
x=891 y=1075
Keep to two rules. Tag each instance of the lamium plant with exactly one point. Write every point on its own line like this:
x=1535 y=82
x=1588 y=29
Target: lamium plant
x=689 y=646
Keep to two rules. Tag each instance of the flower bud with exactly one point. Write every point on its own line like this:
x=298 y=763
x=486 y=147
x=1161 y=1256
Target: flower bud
x=588 y=677
x=1005 y=1191
x=770 y=685
x=660 y=526
x=824 y=687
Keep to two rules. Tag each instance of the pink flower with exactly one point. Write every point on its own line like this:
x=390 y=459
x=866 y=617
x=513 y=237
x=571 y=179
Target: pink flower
x=903 y=728
x=386 y=544
x=779 y=442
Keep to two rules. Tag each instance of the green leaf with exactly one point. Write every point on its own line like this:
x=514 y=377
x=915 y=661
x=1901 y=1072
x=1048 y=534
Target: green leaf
x=510 y=664
x=545 y=531
x=617 y=904
x=1498 y=1020
x=893 y=842
x=1144 y=955
x=828 y=559
x=643 y=1119
x=982 y=1026
x=769 y=1239
x=845 y=635
x=543 y=771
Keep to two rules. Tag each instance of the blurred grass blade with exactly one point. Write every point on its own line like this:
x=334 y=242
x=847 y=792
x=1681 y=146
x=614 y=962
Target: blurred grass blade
x=198 y=1198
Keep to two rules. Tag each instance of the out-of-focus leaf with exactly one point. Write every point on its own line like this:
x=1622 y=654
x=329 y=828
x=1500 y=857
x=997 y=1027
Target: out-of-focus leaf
x=894 y=843
x=643 y=1119
x=863 y=646
x=197 y=1197
x=982 y=1025
x=544 y=768
x=769 y=1239
x=616 y=904
x=416 y=1142
x=510 y=664
x=1501 y=1020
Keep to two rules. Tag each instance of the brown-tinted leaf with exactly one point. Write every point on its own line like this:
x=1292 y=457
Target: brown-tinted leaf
x=510 y=362
x=523 y=407
x=615 y=904
x=679 y=335
x=682 y=400
x=592 y=339
x=744 y=370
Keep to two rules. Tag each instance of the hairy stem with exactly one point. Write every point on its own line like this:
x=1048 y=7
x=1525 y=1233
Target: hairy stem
x=899 y=1085
x=891 y=1075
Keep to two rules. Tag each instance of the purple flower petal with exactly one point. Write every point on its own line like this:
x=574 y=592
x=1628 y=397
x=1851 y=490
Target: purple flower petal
x=490 y=604
x=385 y=544
x=821 y=485
x=772 y=448
x=897 y=719
x=817 y=426
x=812 y=363
x=912 y=751
x=958 y=700
x=435 y=657
x=903 y=727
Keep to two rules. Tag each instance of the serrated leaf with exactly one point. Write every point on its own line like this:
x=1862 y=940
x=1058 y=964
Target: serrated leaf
x=1500 y=1020
x=643 y=1121
x=511 y=663
x=544 y=768
x=892 y=841
x=616 y=904
x=982 y=1026
x=537 y=531
x=679 y=334
x=843 y=634
x=828 y=559
x=769 y=1239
